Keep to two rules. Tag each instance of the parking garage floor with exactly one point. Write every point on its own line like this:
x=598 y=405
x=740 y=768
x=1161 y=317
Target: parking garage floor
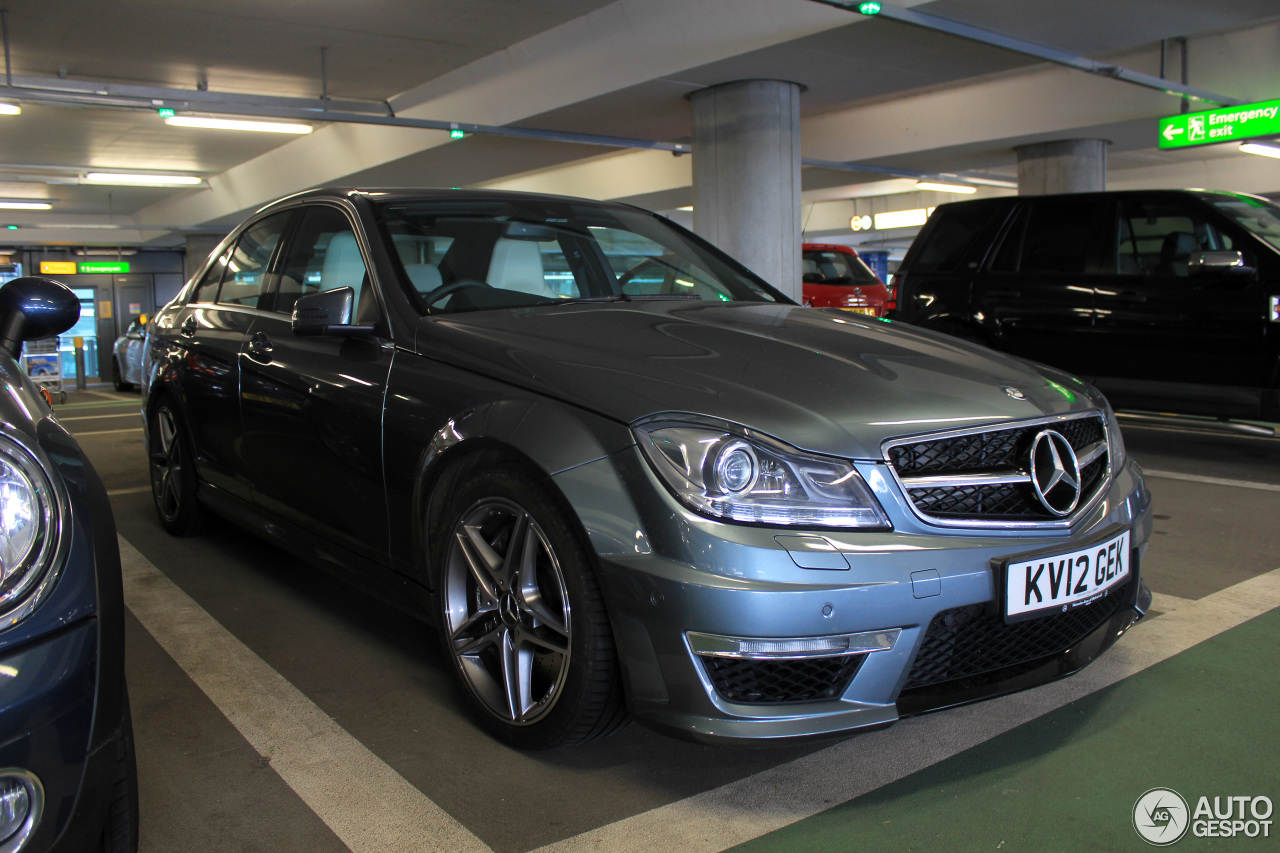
x=276 y=709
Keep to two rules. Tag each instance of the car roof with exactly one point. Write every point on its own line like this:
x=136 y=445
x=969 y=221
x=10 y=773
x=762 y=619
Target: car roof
x=395 y=194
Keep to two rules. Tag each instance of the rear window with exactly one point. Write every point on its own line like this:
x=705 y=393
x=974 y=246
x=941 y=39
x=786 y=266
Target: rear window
x=945 y=243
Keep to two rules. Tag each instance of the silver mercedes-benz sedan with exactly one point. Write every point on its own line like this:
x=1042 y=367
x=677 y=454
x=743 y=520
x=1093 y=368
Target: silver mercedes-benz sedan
x=626 y=477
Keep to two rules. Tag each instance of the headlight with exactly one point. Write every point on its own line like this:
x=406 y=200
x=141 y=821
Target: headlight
x=29 y=522
x=1115 y=441
x=734 y=473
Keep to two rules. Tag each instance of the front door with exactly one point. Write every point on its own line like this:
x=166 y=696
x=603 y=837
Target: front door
x=1161 y=331
x=312 y=406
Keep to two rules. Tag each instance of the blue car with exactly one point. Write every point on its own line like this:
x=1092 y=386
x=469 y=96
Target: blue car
x=68 y=778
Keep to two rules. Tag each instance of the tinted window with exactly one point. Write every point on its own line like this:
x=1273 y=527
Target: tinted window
x=207 y=289
x=324 y=254
x=1049 y=238
x=246 y=266
x=1258 y=216
x=1158 y=238
x=950 y=234
x=466 y=256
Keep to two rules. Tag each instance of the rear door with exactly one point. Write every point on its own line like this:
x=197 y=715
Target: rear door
x=210 y=329
x=1038 y=289
x=1159 y=326
x=312 y=406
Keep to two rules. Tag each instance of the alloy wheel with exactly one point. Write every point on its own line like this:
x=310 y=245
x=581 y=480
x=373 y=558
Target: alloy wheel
x=507 y=611
x=166 y=465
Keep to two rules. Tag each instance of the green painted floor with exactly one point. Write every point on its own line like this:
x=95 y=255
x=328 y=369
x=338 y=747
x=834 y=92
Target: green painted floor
x=1204 y=723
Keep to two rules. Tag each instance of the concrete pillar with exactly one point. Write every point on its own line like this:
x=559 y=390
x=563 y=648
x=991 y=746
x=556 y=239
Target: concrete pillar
x=746 y=176
x=1064 y=166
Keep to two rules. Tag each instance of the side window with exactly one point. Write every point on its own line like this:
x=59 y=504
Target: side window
x=207 y=289
x=1050 y=238
x=323 y=255
x=1158 y=238
x=246 y=266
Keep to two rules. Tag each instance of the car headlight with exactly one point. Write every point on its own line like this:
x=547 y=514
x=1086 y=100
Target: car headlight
x=29 y=524
x=734 y=473
x=1115 y=441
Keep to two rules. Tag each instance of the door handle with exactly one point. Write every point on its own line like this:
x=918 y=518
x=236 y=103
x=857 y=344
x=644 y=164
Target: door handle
x=188 y=327
x=260 y=347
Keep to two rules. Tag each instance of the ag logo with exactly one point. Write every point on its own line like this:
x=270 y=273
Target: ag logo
x=1161 y=817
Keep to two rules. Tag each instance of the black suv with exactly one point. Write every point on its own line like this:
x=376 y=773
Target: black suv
x=1169 y=300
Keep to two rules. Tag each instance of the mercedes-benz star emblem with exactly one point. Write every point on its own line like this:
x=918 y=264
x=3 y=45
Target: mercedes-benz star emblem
x=1055 y=472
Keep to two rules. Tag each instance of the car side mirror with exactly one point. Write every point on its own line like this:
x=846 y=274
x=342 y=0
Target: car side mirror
x=813 y=277
x=32 y=309
x=327 y=313
x=1219 y=263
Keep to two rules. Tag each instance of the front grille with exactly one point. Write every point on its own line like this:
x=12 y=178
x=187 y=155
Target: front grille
x=1002 y=451
x=972 y=640
x=771 y=682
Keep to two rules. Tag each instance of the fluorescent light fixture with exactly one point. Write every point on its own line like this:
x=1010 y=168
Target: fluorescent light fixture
x=945 y=188
x=687 y=208
x=25 y=205
x=124 y=179
x=237 y=124
x=1259 y=148
x=10 y=110
x=901 y=218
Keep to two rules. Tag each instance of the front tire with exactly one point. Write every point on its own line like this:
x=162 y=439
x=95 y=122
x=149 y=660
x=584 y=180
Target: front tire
x=522 y=616
x=173 y=472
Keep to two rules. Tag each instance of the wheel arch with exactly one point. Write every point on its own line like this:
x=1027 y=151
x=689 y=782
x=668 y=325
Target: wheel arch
x=542 y=437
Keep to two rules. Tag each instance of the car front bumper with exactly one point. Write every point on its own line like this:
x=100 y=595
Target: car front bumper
x=669 y=573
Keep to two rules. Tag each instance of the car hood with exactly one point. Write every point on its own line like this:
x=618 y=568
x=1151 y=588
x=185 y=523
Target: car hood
x=821 y=380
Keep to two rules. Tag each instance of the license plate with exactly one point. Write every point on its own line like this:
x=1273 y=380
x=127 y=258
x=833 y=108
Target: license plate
x=1061 y=582
x=870 y=312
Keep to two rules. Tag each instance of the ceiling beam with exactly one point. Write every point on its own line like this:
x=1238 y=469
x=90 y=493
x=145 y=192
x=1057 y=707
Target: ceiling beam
x=1017 y=45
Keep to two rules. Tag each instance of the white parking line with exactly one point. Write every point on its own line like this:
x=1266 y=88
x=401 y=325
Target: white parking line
x=1212 y=481
x=107 y=431
x=368 y=805
x=748 y=808
x=99 y=417
x=135 y=491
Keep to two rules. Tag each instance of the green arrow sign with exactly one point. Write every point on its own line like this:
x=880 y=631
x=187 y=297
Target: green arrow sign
x=1229 y=124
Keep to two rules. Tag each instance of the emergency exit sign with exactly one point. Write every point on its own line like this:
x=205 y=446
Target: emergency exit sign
x=1229 y=124
x=87 y=267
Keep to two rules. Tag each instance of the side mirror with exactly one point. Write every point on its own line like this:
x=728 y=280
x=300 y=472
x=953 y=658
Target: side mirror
x=1219 y=263
x=327 y=313
x=35 y=308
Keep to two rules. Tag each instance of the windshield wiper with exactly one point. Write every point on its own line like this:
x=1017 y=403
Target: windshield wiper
x=625 y=297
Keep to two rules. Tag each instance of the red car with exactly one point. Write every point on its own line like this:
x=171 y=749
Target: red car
x=835 y=277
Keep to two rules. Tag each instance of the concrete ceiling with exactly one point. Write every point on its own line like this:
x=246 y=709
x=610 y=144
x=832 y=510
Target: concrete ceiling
x=878 y=92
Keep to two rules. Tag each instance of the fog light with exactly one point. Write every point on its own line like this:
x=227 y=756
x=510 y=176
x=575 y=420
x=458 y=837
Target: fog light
x=21 y=805
x=795 y=647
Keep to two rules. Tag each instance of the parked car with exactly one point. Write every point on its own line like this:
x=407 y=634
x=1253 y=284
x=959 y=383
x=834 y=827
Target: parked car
x=68 y=781
x=126 y=355
x=1165 y=299
x=835 y=277
x=728 y=515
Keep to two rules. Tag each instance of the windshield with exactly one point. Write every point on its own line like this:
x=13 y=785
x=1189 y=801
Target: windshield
x=1260 y=217
x=486 y=254
x=831 y=267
